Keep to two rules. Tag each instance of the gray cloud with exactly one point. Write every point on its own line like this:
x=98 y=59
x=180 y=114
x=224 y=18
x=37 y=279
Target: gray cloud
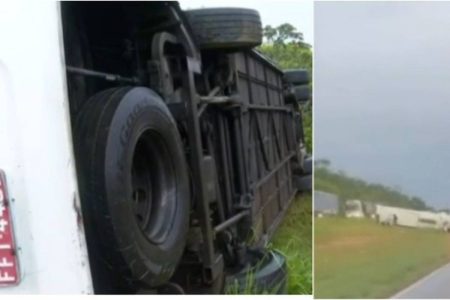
x=382 y=93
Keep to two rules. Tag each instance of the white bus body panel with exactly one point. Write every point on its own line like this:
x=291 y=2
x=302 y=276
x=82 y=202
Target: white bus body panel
x=405 y=217
x=36 y=151
x=428 y=219
x=413 y=218
x=444 y=221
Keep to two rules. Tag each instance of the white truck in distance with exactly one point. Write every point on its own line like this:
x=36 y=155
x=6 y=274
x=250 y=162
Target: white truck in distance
x=412 y=218
x=354 y=209
x=389 y=215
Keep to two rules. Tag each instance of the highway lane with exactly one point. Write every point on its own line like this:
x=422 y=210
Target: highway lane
x=434 y=285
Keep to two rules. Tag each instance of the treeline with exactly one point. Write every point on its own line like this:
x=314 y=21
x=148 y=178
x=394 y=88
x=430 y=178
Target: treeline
x=347 y=187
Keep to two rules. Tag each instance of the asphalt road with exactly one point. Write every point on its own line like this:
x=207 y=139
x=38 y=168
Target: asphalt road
x=434 y=285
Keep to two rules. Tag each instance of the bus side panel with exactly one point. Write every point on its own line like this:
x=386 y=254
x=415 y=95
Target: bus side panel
x=36 y=152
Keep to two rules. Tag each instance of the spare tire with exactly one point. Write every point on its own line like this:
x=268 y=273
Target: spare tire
x=134 y=189
x=225 y=28
x=296 y=76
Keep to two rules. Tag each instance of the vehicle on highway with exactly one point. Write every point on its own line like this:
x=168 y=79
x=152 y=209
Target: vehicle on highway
x=145 y=149
x=388 y=215
x=354 y=209
x=325 y=204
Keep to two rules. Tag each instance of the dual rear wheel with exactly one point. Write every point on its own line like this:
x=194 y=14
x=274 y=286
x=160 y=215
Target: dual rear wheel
x=134 y=188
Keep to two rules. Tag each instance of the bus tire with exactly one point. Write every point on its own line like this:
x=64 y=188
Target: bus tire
x=134 y=189
x=225 y=28
x=297 y=76
x=302 y=183
x=265 y=273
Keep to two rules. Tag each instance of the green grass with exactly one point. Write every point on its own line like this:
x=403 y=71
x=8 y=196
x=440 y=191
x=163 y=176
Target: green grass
x=361 y=259
x=294 y=239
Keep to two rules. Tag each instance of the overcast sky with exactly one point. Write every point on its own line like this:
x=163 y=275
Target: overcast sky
x=382 y=93
x=297 y=13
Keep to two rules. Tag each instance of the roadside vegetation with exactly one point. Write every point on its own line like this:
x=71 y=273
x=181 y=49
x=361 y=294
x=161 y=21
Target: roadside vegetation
x=362 y=259
x=294 y=239
x=284 y=45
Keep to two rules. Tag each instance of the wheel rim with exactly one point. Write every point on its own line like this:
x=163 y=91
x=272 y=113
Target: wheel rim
x=153 y=187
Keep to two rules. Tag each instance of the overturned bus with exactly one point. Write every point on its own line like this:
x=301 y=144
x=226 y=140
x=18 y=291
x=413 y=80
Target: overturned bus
x=175 y=149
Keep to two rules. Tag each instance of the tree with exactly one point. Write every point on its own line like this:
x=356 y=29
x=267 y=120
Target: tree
x=322 y=162
x=290 y=56
x=284 y=45
x=269 y=33
x=283 y=34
